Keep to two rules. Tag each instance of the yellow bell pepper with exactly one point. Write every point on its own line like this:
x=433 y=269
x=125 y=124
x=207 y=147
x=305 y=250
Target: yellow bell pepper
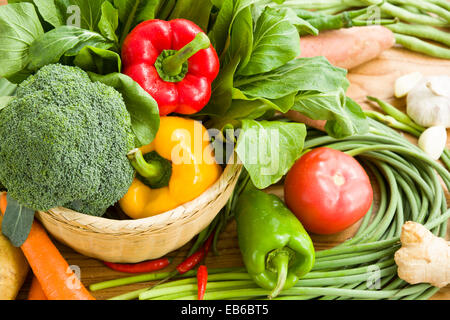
x=186 y=144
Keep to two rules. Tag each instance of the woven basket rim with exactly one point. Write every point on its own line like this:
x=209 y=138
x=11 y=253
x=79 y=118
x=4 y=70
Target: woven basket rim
x=158 y=223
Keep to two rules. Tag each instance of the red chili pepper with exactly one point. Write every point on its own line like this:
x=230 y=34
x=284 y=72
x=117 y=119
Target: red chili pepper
x=202 y=280
x=146 y=266
x=196 y=257
x=174 y=62
x=190 y=261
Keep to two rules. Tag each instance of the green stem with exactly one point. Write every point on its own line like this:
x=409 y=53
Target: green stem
x=407 y=16
x=346 y=279
x=346 y=272
x=129 y=280
x=321 y=4
x=442 y=3
x=421 y=31
x=373 y=256
x=425 y=7
x=396 y=114
x=156 y=292
x=379 y=22
x=391 y=122
x=281 y=263
x=313 y=291
x=173 y=64
x=127 y=27
x=421 y=46
x=357 y=248
x=152 y=171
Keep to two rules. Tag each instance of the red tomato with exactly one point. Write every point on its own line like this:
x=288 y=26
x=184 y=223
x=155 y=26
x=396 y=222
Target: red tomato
x=328 y=191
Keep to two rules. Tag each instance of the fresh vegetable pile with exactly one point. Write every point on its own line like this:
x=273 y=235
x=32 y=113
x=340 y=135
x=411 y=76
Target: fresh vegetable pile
x=256 y=47
x=141 y=104
x=410 y=190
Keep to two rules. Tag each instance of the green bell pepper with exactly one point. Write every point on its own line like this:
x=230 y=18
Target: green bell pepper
x=276 y=249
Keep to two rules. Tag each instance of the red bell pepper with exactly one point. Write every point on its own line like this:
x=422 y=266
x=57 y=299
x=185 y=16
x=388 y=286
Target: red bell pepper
x=174 y=62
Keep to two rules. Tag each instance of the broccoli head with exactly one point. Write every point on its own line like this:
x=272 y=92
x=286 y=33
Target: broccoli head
x=64 y=142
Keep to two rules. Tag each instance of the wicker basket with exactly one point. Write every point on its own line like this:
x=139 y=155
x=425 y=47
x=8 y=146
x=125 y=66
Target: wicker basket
x=142 y=239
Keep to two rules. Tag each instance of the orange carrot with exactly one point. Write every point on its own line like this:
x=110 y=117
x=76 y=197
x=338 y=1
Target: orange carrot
x=348 y=48
x=58 y=281
x=3 y=202
x=36 y=292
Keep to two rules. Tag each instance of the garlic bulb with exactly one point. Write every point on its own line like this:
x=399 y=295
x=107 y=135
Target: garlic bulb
x=433 y=141
x=406 y=83
x=428 y=103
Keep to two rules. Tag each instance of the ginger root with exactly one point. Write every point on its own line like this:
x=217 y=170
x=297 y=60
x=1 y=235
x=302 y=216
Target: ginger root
x=423 y=257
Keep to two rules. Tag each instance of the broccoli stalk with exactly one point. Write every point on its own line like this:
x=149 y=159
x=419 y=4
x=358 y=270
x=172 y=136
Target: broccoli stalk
x=64 y=142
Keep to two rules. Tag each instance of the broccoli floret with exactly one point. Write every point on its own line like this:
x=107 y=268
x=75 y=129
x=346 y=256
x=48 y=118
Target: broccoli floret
x=64 y=142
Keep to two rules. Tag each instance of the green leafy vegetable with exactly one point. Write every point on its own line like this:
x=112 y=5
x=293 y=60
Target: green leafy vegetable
x=7 y=88
x=303 y=26
x=197 y=11
x=219 y=32
x=132 y=12
x=241 y=39
x=89 y=11
x=297 y=75
x=64 y=40
x=49 y=12
x=4 y=100
x=142 y=107
x=16 y=224
x=19 y=28
x=268 y=149
x=222 y=90
x=356 y=121
x=109 y=22
x=276 y=41
x=252 y=105
x=257 y=43
x=344 y=116
x=98 y=60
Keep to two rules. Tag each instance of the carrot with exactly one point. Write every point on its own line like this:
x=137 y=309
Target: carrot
x=36 y=292
x=3 y=202
x=52 y=271
x=348 y=48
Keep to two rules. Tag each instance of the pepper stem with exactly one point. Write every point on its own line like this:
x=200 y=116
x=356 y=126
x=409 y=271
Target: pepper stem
x=281 y=263
x=153 y=171
x=173 y=64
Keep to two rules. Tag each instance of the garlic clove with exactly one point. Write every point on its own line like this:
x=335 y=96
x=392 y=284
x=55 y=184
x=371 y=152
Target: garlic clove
x=438 y=87
x=406 y=83
x=433 y=141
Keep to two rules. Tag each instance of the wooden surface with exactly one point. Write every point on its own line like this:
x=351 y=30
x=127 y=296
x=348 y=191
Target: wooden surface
x=375 y=78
